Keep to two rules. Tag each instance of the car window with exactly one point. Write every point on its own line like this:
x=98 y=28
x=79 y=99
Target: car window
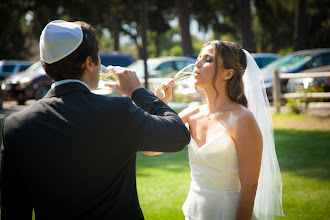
x=263 y=61
x=319 y=61
x=23 y=67
x=290 y=61
x=165 y=69
x=116 y=60
x=8 y=68
x=180 y=64
x=39 y=68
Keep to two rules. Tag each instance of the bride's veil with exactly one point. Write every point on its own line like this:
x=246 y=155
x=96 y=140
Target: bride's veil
x=268 y=200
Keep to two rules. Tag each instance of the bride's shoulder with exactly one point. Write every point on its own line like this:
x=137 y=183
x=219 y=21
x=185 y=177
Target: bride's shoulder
x=241 y=112
x=242 y=115
x=245 y=121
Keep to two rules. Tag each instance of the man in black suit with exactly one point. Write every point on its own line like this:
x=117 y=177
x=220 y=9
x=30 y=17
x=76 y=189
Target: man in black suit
x=72 y=154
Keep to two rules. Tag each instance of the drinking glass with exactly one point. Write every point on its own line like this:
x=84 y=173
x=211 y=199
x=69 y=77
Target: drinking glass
x=106 y=76
x=183 y=75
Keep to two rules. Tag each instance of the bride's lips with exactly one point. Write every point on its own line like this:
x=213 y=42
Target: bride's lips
x=196 y=73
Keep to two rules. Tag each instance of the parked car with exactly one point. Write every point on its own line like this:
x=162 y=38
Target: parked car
x=263 y=59
x=162 y=68
x=116 y=59
x=296 y=84
x=159 y=69
x=9 y=67
x=294 y=63
x=33 y=83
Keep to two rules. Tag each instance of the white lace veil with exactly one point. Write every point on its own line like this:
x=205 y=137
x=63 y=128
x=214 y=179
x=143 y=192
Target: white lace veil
x=268 y=200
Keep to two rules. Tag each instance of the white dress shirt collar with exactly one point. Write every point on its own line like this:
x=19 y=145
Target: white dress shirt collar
x=57 y=83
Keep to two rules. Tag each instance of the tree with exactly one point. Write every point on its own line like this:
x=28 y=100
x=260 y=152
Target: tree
x=317 y=24
x=275 y=19
x=158 y=16
x=300 y=21
x=222 y=17
x=16 y=30
x=245 y=26
x=144 y=28
x=184 y=21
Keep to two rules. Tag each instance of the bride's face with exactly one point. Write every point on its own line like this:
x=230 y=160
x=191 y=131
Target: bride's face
x=205 y=67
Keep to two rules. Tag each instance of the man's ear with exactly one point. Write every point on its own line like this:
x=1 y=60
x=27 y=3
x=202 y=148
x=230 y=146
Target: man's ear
x=88 y=64
x=229 y=74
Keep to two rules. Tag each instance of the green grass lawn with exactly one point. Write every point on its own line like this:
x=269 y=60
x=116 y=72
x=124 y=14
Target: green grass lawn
x=163 y=181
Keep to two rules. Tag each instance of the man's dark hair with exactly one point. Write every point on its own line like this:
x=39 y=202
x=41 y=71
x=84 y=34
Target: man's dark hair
x=71 y=67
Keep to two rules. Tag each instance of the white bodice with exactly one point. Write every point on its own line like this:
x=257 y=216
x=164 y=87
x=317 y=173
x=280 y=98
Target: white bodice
x=215 y=185
x=214 y=165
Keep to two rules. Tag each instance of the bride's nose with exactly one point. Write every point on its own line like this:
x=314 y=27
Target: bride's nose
x=198 y=64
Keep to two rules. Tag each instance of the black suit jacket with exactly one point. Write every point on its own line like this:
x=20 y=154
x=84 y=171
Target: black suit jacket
x=71 y=155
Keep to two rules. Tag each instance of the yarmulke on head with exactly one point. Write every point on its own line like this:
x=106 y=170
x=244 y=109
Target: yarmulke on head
x=58 y=40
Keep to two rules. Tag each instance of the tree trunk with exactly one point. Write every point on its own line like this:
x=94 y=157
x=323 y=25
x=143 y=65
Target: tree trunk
x=157 y=41
x=144 y=23
x=245 y=23
x=115 y=30
x=300 y=25
x=184 y=21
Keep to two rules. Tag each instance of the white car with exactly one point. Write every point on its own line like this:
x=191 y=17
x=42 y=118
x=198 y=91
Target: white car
x=296 y=84
x=159 y=69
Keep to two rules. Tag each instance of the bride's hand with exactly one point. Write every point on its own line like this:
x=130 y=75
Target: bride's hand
x=167 y=86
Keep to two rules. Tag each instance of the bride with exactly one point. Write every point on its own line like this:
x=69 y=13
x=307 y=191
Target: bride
x=234 y=168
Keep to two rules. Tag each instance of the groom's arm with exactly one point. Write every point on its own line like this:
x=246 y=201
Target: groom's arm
x=157 y=126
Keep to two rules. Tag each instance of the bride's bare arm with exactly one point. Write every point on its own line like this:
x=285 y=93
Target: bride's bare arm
x=248 y=142
x=151 y=153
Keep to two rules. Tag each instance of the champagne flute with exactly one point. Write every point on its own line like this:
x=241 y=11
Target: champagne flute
x=183 y=75
x=106 y=76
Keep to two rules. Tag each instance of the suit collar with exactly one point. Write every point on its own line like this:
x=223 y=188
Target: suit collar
x=57 y=83
x=66 y=88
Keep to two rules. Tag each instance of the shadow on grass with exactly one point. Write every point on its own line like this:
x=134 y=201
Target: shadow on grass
x=173 y=162
x=305 y=153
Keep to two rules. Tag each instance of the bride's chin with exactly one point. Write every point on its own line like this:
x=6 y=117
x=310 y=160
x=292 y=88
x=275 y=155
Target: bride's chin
x=197 y=83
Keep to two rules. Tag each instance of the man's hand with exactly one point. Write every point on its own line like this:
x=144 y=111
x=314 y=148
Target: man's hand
x=127 y=81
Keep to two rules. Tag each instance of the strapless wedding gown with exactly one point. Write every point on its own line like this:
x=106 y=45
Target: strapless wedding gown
x=215 y=185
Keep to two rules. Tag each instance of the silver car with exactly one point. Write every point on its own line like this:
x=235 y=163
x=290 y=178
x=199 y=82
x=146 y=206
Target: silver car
x=159 y=69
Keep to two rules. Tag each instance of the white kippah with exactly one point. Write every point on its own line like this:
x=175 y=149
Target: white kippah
x=58 y=40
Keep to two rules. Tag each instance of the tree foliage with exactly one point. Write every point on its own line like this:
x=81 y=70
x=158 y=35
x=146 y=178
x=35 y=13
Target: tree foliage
x=22 y=21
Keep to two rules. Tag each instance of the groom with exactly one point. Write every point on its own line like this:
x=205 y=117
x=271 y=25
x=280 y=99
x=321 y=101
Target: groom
x=71 y=155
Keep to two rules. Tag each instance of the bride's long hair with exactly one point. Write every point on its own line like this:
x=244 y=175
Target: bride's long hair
x=233 y=57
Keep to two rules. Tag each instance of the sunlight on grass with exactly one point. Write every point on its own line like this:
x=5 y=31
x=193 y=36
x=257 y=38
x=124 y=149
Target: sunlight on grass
x=301 y=122
x=303 y=154
x=303 y=158
x=163 y=181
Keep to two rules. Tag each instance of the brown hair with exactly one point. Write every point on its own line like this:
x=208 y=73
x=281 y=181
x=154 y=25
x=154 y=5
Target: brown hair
x=70 y=67
x=233 y=57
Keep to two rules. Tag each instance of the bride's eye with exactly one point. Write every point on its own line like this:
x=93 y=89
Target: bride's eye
x=208 y=59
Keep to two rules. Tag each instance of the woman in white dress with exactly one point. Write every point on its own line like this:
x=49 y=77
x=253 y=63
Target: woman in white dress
x=227 y=148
